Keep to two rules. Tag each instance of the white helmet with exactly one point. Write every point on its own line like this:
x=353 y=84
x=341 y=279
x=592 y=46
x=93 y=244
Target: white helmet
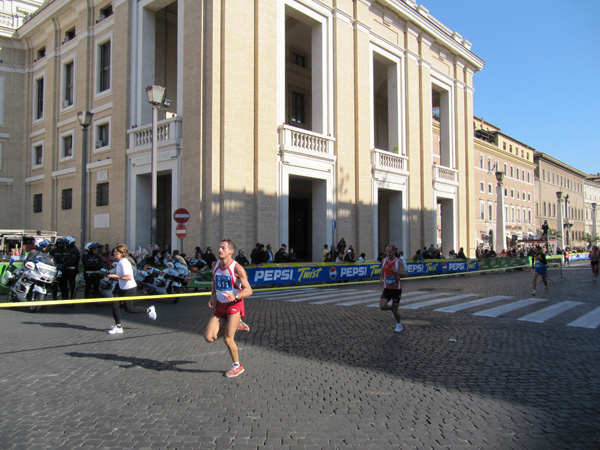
x=70 y=240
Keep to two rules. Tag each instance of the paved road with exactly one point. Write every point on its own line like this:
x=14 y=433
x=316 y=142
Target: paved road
x=324 y=369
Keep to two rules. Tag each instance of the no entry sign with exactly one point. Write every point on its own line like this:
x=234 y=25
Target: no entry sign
x=181 y=231
x=181 y=215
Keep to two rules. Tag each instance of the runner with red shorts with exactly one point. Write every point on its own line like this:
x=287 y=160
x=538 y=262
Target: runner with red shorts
x=229 y=289
x=391 y=271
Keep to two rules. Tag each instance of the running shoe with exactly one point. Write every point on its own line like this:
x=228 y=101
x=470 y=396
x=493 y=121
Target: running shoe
x=234 y=371
x=545 y=288
x=399 y=328
x=243 y=326
x=533 y=293
x=152 y=313
x=115 y=330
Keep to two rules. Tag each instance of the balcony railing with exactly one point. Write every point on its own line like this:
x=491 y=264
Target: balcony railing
x=388 y=161
x=168 y=132
x=446 y=175
x=305 y=142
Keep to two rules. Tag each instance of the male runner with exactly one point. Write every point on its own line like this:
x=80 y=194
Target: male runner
x=392 y=270
x=229 y=289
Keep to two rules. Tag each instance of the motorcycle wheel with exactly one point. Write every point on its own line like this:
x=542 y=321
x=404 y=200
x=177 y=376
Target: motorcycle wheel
x=36 y=297
x=11 y=296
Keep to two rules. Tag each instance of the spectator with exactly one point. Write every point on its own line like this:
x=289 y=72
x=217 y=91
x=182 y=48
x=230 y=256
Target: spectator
x=461 y=254
x=241 y=258
x=281 y=256
x=209 y=257
x=255 y=255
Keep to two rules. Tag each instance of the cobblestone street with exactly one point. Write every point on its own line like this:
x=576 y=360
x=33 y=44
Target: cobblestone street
x=324 y=369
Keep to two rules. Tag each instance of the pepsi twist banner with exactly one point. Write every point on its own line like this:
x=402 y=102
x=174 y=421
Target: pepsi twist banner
x=313 y=273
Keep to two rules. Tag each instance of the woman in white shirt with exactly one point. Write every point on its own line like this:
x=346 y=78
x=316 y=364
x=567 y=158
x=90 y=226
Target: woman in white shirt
x=127 y=288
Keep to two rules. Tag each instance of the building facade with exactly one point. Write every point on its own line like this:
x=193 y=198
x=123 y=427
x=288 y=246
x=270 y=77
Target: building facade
x=560 y=199
x=495 y=152
x=296 y=122
x=592 y=205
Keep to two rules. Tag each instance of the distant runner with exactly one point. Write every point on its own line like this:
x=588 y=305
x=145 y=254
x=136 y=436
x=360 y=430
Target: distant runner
x=392 y=269
x=539 y=268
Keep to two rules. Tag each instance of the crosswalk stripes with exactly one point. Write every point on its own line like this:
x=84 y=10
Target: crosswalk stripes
x=473 y=303
x=550 y=312
x=589 y=320
x=369 y=298
x=499 y=310
x=438 y=301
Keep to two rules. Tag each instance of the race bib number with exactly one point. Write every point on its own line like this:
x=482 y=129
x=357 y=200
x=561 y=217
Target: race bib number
x=223 y=283
x=390 y=280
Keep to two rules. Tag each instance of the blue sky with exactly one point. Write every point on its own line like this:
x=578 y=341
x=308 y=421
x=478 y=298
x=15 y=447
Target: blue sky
x=541 y=79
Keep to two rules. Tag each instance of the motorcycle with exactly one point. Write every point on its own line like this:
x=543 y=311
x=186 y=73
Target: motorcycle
x=30 y=282
x=169 y=281
x=108 y=285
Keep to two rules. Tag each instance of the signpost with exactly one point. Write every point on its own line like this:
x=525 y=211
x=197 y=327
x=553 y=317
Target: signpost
x=181 y=231
x=181 y=216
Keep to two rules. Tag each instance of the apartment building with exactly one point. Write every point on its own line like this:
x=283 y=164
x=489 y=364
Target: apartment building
x=296 y=122
x=496 y=152
x=592 y=204
x=560 y=199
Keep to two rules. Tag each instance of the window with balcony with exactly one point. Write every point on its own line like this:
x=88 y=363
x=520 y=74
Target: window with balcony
x=298 y=115
x=386 y=90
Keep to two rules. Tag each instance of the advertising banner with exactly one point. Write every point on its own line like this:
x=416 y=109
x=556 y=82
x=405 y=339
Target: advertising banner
x=312 y=273
x=505 y=262
x=438 y=267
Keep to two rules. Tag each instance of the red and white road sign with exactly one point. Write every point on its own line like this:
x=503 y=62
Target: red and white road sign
x=181 y=215
x=181 y=231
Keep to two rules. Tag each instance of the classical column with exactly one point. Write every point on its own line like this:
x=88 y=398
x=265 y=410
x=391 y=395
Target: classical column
x=500 y=219
x=594 y=220
x=560 y=229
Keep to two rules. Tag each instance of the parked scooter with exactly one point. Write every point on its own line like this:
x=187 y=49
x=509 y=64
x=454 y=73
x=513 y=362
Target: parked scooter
x=32 y=281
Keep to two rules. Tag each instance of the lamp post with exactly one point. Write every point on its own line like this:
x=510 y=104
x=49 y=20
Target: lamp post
x=156 y=97
x=594 y=220
x=85 y=119
x=500 y=219
x=559 y=221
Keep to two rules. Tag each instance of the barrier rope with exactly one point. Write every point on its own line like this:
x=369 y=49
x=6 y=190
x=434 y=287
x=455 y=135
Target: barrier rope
x=19 y=304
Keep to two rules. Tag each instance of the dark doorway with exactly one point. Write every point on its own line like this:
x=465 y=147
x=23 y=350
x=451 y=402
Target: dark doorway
x=164 y=220
x=300 y=219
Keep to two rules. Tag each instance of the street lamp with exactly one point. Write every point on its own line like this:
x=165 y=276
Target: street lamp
x=500 y=219
x=85 y=119
x=560 y=229
x=156 y=97
x=594 y=220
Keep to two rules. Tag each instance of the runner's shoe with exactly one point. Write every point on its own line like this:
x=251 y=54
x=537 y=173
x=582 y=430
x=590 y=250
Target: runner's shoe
x=243 y=326
x=152 y=313
x=115 y=330
x=533 y=293
x=399 y=328
x=234 y=371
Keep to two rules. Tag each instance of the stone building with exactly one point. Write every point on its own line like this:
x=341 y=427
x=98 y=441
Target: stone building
x=295 y=122
x=495 y=152
x=560 y=199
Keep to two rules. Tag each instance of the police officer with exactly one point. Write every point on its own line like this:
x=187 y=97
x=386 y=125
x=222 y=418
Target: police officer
x=92 y=263
x=70 y=268
x=60 y=254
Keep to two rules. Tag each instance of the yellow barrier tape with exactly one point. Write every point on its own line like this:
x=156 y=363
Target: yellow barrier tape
x=19 y=304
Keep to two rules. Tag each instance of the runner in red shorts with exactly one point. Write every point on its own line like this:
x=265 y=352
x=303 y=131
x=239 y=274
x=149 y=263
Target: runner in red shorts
x=229 y=289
